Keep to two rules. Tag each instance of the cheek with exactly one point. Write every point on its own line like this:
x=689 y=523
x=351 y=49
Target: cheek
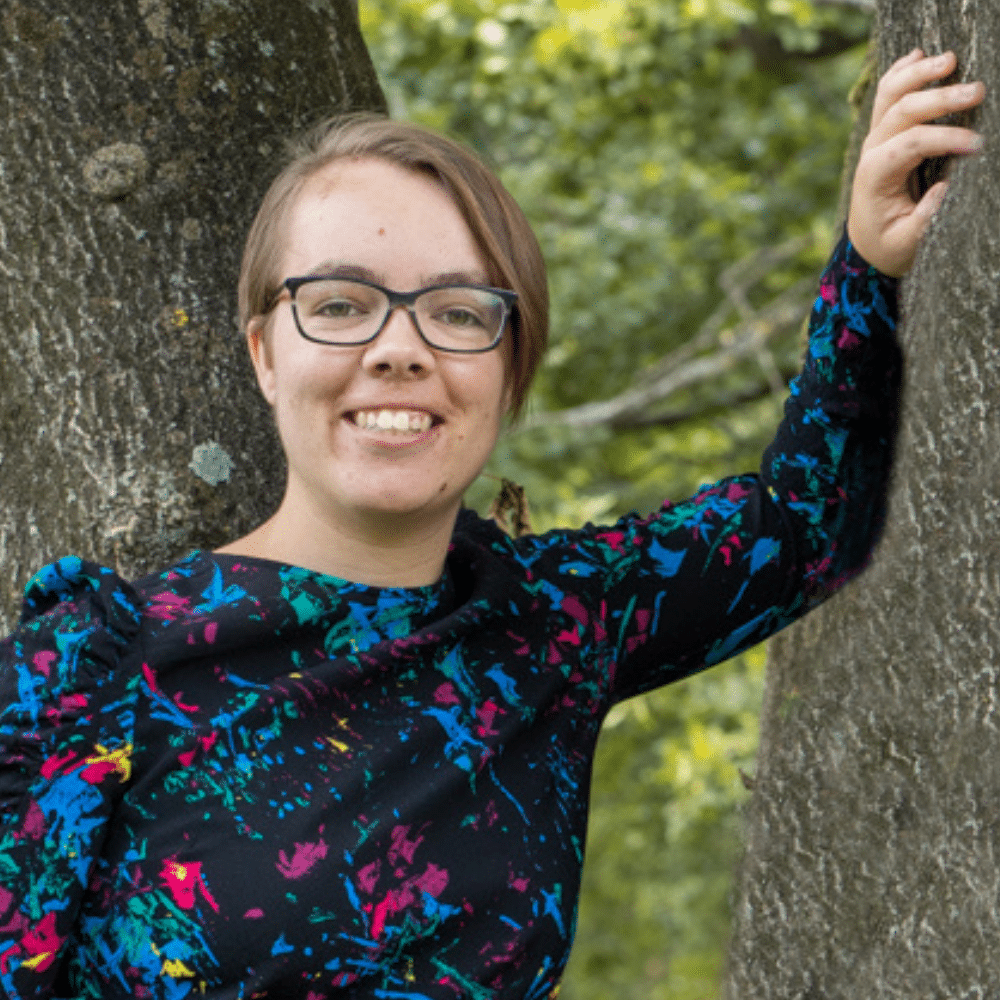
x=306 y=396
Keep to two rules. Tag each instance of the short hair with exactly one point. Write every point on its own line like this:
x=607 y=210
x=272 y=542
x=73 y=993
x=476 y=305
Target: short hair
x=499 y=228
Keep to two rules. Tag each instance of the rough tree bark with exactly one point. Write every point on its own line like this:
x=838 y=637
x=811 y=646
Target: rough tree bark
x=873 y=855
x=137 y=138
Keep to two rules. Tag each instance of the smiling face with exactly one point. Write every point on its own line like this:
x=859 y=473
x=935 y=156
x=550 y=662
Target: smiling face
x=387 y=434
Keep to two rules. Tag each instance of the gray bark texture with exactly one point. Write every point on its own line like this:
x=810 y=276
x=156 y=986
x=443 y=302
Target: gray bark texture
x=137 y=138
x=872 y=866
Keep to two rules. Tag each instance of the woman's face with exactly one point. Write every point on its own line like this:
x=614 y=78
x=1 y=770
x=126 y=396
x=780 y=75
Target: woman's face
x=401 y=230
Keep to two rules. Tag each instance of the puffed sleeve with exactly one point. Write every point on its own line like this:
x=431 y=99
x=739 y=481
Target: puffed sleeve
x=67 y=719
x=701 y=580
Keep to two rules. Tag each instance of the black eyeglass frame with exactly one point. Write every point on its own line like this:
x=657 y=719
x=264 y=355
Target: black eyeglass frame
x=396 y=299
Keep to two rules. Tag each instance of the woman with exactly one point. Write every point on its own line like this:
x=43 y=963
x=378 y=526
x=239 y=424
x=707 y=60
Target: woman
x=348 y=754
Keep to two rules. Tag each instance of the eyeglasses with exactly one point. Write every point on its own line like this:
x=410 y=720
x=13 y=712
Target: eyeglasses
x=467 y=319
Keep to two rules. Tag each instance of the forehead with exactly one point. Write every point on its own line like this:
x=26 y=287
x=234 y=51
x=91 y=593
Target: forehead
x=381 y=216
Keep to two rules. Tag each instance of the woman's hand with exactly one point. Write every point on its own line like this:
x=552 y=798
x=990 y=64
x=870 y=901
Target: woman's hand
x=885 y=223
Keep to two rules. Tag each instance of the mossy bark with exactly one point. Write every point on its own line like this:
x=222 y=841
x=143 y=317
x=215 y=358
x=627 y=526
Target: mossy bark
x=137 y=139
x=873 y=852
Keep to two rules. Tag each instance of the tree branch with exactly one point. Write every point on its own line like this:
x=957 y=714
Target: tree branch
x=749 y=394
x=770 y=53
x=684 y=368
x=868 y=6
x=786 y=312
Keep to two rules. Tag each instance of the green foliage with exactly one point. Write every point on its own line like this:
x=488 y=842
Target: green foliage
x=652 y=145
x=650 y=148
x=664 y=838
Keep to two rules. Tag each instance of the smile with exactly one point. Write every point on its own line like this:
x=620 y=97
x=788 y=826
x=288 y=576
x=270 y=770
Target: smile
x=414 y=421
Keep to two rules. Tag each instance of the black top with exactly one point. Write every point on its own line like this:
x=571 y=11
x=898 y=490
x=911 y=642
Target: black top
x=236 y=778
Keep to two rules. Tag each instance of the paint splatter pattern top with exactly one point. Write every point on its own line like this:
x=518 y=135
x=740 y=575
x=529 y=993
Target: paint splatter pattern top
x=236 y=778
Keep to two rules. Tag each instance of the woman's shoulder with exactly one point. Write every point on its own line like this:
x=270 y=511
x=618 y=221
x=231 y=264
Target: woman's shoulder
x=79 y=620
x=75 y=587
x=77 y=596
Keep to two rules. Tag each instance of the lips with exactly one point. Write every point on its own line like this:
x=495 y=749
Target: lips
x=411 y=421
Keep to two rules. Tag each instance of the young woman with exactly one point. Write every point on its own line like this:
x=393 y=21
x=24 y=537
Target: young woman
x=348 y=755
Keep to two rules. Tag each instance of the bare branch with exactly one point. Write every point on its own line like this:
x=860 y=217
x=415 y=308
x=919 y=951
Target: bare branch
x=736 y=280
x=748 y=394
x=868 y=6
x=748 y=340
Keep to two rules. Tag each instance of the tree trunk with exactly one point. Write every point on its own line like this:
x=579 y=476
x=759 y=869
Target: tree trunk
x=138 y=137
x=873 y=856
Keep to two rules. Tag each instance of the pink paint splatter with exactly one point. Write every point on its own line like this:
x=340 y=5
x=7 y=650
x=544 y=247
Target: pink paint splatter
x=848 y=339
x=306 y=857
x=368 y=876
x=42 y=943
x=433 y=882
x=255 y=914
x=43 y=661
x=486 y=713
x=69 y=705
x=168 y=606
x=518 y=884
x=54 y=764
x=18 y=921
x=572 y=606
x=205 y=743
x=150 y=675
x=181 y=705
x=34 y=823
x=737 y=491
x=445 y=694
x=182 y=880
x=524 y=648
x=613 y=539
x=401 y=847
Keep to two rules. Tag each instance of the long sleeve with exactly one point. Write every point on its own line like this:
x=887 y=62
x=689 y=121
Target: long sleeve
x=66 y=740
x=700 y=580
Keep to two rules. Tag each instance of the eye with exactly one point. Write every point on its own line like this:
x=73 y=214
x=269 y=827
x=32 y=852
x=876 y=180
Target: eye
x=338 y=309
x=460 y=316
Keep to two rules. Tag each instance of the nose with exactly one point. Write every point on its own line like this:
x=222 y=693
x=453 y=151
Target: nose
x=399 y=350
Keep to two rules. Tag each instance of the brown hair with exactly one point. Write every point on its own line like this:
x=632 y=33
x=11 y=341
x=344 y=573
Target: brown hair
x=498 y=226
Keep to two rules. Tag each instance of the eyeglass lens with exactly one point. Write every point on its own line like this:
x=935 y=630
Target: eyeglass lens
x=338 y=311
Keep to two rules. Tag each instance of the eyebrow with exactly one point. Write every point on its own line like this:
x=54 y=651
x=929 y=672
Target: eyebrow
x=338 y=269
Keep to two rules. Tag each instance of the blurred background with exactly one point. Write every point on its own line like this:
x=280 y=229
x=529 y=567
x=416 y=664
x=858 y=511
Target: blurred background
x=681 y=164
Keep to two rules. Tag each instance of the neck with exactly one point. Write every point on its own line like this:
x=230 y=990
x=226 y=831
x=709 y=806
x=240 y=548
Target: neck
x=385 y=550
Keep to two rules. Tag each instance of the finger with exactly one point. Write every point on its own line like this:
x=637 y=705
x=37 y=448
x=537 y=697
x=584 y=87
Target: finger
x=892 y=161
x=910 y=76
x=925 y=105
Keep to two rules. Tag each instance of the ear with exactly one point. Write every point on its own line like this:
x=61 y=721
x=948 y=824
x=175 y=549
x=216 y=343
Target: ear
x=262 y=356
x=508 y=398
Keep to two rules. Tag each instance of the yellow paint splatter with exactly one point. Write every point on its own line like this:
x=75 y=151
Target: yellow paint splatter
x=176 y=969
x=337 y=744
x=119 y=759
x=180 y=319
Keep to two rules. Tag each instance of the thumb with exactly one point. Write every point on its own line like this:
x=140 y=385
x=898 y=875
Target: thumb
x=931 y=201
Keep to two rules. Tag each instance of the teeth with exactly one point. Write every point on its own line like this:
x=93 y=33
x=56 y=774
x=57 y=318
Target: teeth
x=393 y=420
